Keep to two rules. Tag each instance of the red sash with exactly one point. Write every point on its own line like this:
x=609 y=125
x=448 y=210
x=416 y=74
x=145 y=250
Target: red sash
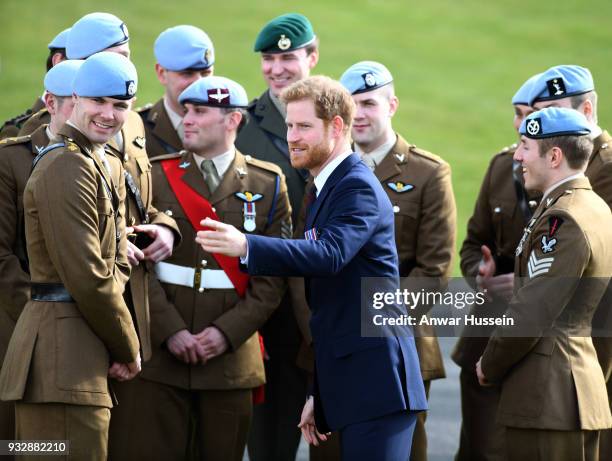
x=197 y=208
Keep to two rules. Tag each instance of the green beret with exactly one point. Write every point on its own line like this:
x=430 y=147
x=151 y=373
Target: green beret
x=285 y=33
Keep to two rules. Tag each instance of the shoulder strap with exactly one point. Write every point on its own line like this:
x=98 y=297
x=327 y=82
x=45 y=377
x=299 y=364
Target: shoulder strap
x=134 y=191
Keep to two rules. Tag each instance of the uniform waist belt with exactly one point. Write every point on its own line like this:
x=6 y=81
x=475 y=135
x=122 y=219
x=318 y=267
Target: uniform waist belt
x=200 y=279
x=51 y=292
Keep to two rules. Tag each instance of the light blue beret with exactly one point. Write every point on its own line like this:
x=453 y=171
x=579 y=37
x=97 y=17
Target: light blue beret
x=106 y=74
x=554 y=121
x=59 y=78
x=561 y=82
x=522 y=95
x=95 y=32
x=184 y=47
x=215 y=91
x=365 y=76
x=59 y=41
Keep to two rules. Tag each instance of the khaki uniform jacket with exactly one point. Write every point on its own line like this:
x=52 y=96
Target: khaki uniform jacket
x=497 y=222
x=11 y=127
x=175 y=307
x=263 y=137
x=552 y=380
x=162 y=138
x=425 y=224
x=134 y=157
x=42 y=117
x=135 y=161
x=16 y=156
x=599 y=172
x=60 y=352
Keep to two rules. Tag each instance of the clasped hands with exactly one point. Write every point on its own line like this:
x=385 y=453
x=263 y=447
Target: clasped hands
x=197 y=348
x=125 y=371
x=158 y=250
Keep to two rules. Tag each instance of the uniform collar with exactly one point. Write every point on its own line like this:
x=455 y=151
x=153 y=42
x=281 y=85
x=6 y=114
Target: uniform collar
x=375 y=158
x=280 y=107
x=175 y=119
x=556 y=185
x=222 y=162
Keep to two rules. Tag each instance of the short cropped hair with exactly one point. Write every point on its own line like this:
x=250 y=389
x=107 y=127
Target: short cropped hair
x=576 y=149
x=330 y=98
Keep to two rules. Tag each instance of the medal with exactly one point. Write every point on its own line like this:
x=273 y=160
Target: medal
x=249 y=210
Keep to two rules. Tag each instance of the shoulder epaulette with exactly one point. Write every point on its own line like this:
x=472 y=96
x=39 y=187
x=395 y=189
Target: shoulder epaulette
x=425 y=154
x=271 y=167
x=144 y=108
x=252 y=105
x=15 y=140
x=19 y=119
x=158 y=158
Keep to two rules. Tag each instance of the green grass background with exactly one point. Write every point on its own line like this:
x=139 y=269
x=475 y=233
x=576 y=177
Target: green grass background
x=456 y=63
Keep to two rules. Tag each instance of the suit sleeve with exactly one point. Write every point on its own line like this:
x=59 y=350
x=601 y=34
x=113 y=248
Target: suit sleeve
x=550 y=283
x=71 y=228
x=14 y=281
x=480 y=231
x=352 y=221
x=263 y=294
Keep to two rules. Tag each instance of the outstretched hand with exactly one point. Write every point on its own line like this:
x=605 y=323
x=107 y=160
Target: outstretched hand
x=222 y=238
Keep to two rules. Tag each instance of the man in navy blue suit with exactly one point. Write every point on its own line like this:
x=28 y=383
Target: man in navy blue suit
x=368 y=388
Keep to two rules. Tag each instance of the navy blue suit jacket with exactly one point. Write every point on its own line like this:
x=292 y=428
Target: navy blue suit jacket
x=356 y=378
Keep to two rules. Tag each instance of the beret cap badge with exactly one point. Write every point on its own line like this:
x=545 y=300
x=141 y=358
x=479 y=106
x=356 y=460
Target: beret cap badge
x=284 y=43
x=533 y=126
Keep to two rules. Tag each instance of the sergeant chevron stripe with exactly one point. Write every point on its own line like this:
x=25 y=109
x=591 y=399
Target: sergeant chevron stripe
x=538 y=266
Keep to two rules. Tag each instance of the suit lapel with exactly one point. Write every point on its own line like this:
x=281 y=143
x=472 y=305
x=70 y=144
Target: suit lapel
x=336 y=176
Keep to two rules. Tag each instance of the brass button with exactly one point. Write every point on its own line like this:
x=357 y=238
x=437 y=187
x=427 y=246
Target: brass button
x=204 y=263
x=168 y=212
x=396 y=209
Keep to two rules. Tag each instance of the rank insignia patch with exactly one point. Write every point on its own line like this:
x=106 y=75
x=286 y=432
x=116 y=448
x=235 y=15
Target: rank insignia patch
x=554 y=223
x=139 y=141
x=537 y=266
x=400 y=187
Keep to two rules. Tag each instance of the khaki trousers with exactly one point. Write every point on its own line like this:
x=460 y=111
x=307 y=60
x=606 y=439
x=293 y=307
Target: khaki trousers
x=85 y=427
x=547 y=445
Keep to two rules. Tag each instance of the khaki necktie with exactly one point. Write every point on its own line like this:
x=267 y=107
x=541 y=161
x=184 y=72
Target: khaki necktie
x=210 y=175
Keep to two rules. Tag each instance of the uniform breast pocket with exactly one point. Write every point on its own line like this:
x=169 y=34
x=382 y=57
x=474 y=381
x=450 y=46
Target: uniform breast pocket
x=106 y=226
x=406 y=221
x=501 y=217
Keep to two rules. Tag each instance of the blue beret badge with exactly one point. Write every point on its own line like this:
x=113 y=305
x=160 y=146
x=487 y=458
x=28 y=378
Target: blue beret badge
x=556 y=87
x=218 y=96
x=130 y=88
x=400 y=187
x=534 y=126
x=369 y=80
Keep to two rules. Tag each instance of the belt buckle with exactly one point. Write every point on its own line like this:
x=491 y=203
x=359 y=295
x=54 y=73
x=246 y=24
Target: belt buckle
x=197 y=280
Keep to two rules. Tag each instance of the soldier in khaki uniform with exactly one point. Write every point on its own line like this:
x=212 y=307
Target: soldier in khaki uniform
x=553 y=394
x=572 y=87
x=289 y=51
x=184 y=54
x=502 y=210
x=76 y=323
x=16 y=156
x=419 y=186
x=57 y=53
x=205 y=313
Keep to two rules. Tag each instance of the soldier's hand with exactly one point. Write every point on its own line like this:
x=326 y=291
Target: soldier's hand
x=482 y=380
x=223 y=238
x=307 y=424
x=119 y=371
x=134 y=254
x=185 y=347
x=486 y=270
x=501 y=286
x=213 y=341
x=134 y=367
x=163 y=241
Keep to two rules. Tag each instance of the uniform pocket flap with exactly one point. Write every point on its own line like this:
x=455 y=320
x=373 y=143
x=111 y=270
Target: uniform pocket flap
x=143 y=164
x=104 y=206
x=406 y=208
